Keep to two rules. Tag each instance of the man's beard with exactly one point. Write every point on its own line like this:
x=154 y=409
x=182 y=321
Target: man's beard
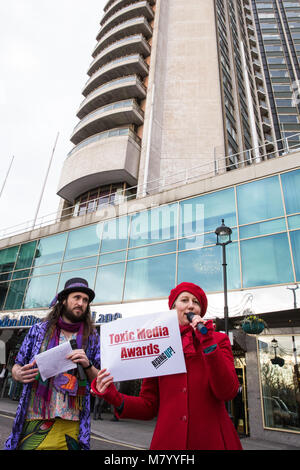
x=71 y=316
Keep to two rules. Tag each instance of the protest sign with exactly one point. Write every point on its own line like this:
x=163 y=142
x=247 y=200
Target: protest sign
x=142 y=346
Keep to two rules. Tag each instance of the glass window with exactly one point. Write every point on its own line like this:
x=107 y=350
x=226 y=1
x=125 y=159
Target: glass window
x=83 y=242
x=3 y=291
x=154 y=226
x=151 y=250
x=80 y=263
x=48 y=269
x=40 y=291
x=15 y=295
x=109 y=283
x=115 y=257
x=259 y=200
x=150 y=278
x=115 y=234
x=8 y=258
x=21 y=274
x=50 y=250
x=295 y=241
x=291 y=191
x=204 y=267
x=205 y=213
x=263 y=228
x=26 y=255
x=266 y=261
x=294 y=222
x=279 y=378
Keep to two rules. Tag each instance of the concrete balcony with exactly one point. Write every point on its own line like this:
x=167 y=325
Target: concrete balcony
x=259 y=78
x=141 y=8
x=134 y=26
x=116 y=90
x=107 y=158
x=263 y=108
x=129 y=65
x=261 y=92
x=266 y=123
x=117 y=5
x=113 y=115
x=135 y=44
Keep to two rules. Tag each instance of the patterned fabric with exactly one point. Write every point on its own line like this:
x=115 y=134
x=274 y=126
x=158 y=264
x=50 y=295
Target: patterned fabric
x=54 y=434
x=30 y=347
x=58 y=404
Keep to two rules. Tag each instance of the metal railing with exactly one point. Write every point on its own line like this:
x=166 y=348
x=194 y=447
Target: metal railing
x=206 y=170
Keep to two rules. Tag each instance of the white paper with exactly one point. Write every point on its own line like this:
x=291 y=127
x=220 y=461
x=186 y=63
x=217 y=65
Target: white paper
x=53 y=361
x=143 y=346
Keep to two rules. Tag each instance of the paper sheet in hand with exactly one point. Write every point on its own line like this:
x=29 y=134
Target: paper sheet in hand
x=142 y=346
x=53 y=361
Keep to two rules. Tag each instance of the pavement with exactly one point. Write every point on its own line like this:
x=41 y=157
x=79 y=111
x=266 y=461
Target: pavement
x=137 y=434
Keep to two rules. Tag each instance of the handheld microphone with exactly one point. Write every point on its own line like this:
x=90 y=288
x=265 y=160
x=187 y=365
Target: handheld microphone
x=200 y=327
x=81 y=372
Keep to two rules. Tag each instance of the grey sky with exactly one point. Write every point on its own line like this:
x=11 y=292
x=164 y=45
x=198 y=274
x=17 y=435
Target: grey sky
x=45 y=51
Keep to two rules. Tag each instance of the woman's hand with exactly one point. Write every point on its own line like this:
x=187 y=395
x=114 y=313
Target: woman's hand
x=104 y=380
x=196 y=320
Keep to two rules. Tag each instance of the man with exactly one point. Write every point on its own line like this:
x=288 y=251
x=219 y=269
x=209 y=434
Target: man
x=55 y=414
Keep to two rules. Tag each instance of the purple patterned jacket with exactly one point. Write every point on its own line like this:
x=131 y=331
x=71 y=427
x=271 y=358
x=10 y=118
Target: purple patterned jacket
x=29 y=348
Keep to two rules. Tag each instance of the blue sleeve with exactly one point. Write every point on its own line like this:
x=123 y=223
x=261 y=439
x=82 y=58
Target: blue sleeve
x=24 y=355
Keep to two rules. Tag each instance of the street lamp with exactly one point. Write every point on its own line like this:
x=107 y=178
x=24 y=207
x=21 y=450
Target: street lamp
x=224 y=238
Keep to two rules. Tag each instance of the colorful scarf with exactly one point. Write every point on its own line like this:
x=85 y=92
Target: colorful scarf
x=67 y=383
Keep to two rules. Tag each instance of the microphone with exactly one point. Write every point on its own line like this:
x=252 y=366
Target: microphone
x=200 y=327
x=81 y=372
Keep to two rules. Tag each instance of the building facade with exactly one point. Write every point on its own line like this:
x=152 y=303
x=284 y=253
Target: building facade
x=184 y=122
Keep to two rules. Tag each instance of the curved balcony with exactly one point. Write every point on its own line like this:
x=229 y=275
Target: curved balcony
x=135 y=44
x=106 y=158
x=116 y=90
x=117 y=5
x=135 y=26
x=141 y=8
x=113 y=115
x=130 y=65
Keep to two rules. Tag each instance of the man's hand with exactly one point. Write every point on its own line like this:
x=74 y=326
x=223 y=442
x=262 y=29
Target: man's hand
x=79 y=357
x=25 y=374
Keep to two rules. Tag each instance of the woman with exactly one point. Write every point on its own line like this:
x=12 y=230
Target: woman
x=190 y=409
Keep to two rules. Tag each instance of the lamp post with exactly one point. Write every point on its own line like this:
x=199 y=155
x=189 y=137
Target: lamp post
x=224 y=238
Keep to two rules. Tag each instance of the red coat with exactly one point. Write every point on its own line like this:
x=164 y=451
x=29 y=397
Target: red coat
x=190 y=409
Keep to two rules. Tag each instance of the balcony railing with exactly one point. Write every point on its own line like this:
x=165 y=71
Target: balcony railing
x=185 y=176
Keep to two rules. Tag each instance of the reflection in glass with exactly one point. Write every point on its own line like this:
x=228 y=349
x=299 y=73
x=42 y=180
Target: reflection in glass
x=290 y=186
x=3 y=291
x=204 y=213
x=266 y=261
x=115 y=257
x=295 y=241
x=259 y=200
x=150 y=278
x=109 y=283
x=115 y=234
x=8 y=258
x=83 y=242
x=25 y=256
x=263 y=228
x=40 y=291
x=79 y=263
x=50 y=250
x=15 y=295
x=154 y=226
x=152 y=250
x=87 y=274
x=280 y=381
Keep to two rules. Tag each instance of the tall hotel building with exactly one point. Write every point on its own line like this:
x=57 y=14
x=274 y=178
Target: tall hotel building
x=190 y=115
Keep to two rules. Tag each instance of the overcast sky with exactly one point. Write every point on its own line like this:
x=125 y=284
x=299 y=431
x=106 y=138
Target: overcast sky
x=45 y=51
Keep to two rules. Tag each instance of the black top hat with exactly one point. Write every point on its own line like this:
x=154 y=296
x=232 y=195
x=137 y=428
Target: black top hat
x=76 y=284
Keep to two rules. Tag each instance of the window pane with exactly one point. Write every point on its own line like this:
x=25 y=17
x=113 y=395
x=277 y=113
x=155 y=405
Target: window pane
x=15 y=295
x=263 y=228
x=83 y=242
x=152 y=250
x=48 y=269
x=266 y=261
x=109 y=283
x=3 y=291
x=294 y=221
x=50 y=250
x=279 y=394
x=154 y=225
x=291 y=191
x=295 y=241
x=204 y=267
x=115 y=257
x=80 y=263
x=25 y=256
x=8 y=258
x=150 y=278
x=41 y=291
x=205 y=213
x=115 y=235
x=259 y=200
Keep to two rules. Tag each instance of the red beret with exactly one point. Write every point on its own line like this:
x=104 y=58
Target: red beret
x=193 y=289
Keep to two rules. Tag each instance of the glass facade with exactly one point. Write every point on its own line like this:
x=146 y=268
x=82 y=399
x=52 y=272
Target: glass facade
x=144 y=255
x=279 y=374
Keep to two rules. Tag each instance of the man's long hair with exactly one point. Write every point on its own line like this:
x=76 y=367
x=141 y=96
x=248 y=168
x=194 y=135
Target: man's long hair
x=58 y=310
